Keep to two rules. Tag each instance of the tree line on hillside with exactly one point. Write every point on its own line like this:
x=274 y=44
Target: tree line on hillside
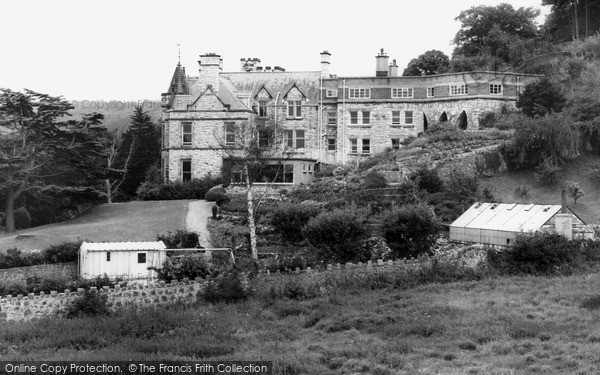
x=503 y=38
x=51 y=166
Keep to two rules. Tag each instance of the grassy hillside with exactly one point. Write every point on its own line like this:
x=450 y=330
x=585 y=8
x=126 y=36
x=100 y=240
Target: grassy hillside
x=587 y=207
x=512 y=325
x=116 y=113
x=131 y=221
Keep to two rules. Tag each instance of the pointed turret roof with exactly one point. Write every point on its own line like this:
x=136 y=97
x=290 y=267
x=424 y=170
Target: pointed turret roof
x=179 y=84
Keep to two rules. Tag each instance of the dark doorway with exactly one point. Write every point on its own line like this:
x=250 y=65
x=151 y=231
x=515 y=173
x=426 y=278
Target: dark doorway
x=425 y=124
x=462 y=121
x=444 y=117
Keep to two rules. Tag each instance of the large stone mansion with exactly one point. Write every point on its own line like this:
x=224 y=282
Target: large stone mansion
x=318 y=116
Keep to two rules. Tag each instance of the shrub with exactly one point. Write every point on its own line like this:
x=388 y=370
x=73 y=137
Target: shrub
x=16 y=258
x=217 y=195
x=540 y=98
x=595 y=171
x=62 y=253
x=194 y=189
x=181 y=239
x=337 y=236
x=547 y=172
x=185 y=266
x=410 y=230
x=591 y=303
x=22 y=218
x=537 y=254
x=521 y=191
x=89 y=304
x=229 y=288
x=461 y=182
x=427 y=179
x=374 y=180
x=289 y=220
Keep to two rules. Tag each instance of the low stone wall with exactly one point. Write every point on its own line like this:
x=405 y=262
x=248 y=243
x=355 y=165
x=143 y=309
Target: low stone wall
x=35 y=306
x=473 y=258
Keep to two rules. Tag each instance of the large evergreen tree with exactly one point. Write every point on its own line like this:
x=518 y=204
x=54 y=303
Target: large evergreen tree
x=43 y=155
x=143 y=134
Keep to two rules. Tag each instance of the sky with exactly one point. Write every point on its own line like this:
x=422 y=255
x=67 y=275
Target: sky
x=128 y=50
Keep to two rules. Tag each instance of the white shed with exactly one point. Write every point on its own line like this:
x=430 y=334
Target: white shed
x=124 y=259
x=497 y=224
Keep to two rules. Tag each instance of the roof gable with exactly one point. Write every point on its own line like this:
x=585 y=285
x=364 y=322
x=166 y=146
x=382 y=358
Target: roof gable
x=293 y=91
x=262 y=92
x=207 y=100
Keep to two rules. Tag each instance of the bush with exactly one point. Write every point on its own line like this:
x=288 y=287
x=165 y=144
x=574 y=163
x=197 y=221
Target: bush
x=194 y=189
x=374 y=180
x=217 y=195
x=337 y=236
x=427 y=179
x=89 y=304
x=229 y=288
x=521 y=191
x=410 y=230
x=547 y=172
x=22 y=218
x=289 y=220
x=188 y=266
x=62 y=253
x=16 y=258
x=181 y=239
x=460 y=182
x=537 y=254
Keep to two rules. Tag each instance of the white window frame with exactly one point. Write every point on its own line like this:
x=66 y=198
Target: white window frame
x=456 y=90
x=229 y=142
x=496 y=89
x=431 y=92
x=291 y=138
x=365 y=142
x=412 y=118
x=403 y=92
x=184 y=133
x=181 y=164
x=354 y=146
x=331 y=144
x=396 y=117
x=331 y=117
x=331 y=93
x=353 y=119
x=367 y=117
x=263 y=108
x=294 y=109
x=359 y=93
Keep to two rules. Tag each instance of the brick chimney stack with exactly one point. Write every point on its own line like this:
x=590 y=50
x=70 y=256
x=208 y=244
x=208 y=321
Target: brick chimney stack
x=393 y=69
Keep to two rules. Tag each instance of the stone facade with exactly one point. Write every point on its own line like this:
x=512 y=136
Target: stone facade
x=319 y=117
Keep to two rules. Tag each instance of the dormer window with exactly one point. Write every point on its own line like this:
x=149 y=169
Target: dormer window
x=262 y=108
x=294 y=109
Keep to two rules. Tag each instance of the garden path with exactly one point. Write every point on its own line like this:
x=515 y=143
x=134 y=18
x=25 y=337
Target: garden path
x=196 y=219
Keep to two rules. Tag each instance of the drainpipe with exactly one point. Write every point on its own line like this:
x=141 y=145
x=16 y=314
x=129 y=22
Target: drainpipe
x=343 y=121
x=320 y=114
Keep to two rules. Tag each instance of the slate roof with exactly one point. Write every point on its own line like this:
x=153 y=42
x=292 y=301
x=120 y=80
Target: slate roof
x=123 y=246
x=179 y=83
x=275 y=82
x=509 y=217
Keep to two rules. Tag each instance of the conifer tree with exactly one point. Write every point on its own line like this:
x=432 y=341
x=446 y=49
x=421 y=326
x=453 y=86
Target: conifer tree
x=145 y=138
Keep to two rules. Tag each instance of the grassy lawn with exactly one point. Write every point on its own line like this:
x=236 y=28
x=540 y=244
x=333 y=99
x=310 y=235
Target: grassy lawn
x=494 y=326
x=587 y=207
x=131 y=221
